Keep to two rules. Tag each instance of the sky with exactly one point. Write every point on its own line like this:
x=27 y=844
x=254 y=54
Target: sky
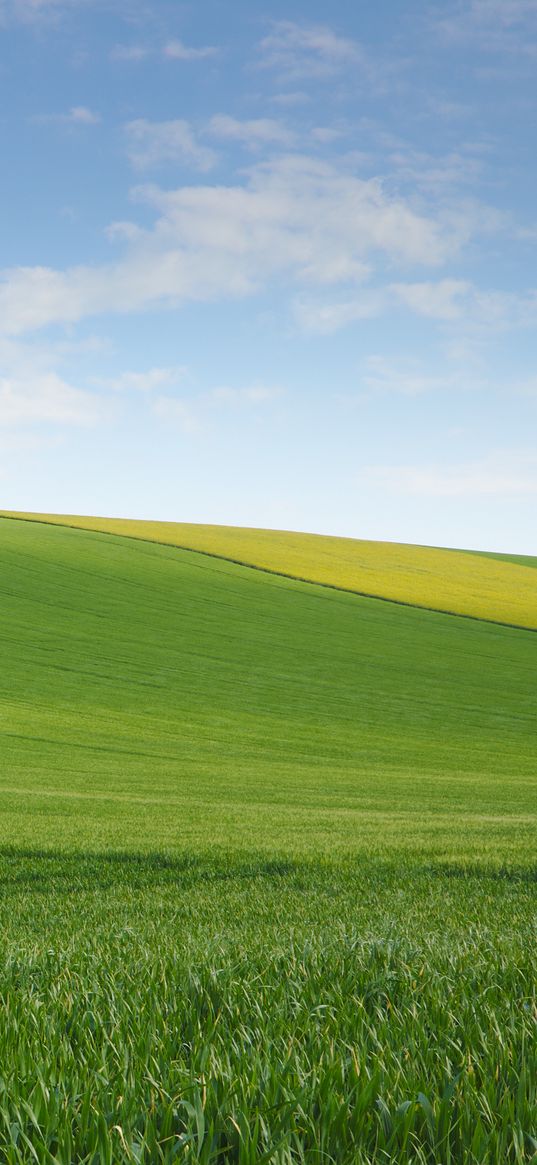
x=272 y=264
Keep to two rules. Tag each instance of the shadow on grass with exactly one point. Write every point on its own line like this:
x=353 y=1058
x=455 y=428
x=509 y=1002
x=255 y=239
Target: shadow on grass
x=45 y=871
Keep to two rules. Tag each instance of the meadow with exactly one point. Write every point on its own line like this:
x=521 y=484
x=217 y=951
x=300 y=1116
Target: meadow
x=267 y=867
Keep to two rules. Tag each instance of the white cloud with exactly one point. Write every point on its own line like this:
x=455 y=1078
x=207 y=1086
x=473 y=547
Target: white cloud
x=46 y=398
x=152 y=143
x=299 y=216
x=326 y=318
x=296 y=219
x=252 y=133
x=81 y=115
x=497 y=26
x=174 y=50
x=77 y=115
x=444 y=300
x=490 y=477
x=501 y=310
x=30 y=11
x=34 y=296
x=449 y=110
x=199 y=412
x=178 y=51
x=124 y=232
x=312 y=51
x=405 y=377
x=325 y=134
x=24 y=360
x=295 y=97
x=254 y=395
x=438 y=172
x=146 y=381
x=477 y=311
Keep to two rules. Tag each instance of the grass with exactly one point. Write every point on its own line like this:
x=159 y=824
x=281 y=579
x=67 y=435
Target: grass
x=493 y=587
x=267 y=862
x=253 y=1012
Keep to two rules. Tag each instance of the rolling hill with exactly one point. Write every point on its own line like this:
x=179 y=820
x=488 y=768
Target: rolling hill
x=493 y=587
x=162 y=699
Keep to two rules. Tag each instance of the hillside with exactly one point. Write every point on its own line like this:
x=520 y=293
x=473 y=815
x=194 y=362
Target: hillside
x=481 y=586
x=162 y=699
x=267 y=866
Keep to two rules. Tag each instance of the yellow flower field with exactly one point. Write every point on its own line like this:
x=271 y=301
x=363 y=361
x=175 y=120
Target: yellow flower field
x=443 y=580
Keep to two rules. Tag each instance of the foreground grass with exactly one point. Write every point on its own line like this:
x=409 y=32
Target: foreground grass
x=494 y=587
x=252 y=1011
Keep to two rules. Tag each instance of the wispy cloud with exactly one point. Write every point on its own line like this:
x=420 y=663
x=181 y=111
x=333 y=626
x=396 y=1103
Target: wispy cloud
x=294 y=98
x=77 y=115
x=325 y=319
x=155 y=143
x=499 y=476
x=445 y=299
x=147 y=381
x=494 y=26
x=326 y=134
x=32 y=11
x=467 y=310
x=34 y=391
x=252 y=133
x=405 y=377
x=307 y=51
x=173 y=50
x=46 y=398
x=177 y=50
x=256 y=394
x=437 y=172
x=203 y=409
x=442 y=300
x=480 y=310
x=124 y=232
x=296 y=218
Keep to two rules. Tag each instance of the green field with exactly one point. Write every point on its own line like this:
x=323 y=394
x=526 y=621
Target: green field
x=268 y=866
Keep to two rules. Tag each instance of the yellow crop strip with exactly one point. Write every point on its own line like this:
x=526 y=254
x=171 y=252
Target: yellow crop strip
x=444 y=580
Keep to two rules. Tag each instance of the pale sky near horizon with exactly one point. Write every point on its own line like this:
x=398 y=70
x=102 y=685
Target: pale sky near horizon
x=272 y=265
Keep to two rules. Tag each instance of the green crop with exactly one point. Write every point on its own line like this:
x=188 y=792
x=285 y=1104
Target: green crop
x=249 y=1011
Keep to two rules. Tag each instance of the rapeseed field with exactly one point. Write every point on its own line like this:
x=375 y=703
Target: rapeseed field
x=499 y=589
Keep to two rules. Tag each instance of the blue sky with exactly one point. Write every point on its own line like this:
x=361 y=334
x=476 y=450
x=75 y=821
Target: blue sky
x=272 y=265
